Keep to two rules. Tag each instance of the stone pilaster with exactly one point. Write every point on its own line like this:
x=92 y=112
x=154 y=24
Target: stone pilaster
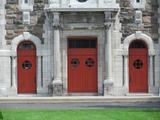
x=126 y=71
x=108 y=83
x=2 y=22
x=57 y=80
x=13 y=90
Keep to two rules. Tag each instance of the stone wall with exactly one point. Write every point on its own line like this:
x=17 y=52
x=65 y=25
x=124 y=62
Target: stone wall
x=159 y=18
x=15 y=26
x=149 y=17
x=14 y=23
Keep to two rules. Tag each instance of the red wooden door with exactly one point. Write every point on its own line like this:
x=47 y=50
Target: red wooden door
x=138 y=70
x=26 y=68
x=82 y=70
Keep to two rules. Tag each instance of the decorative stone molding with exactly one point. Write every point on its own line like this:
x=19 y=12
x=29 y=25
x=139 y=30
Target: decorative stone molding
x=140 y=36
x=108 y=19
x=138 y=4
x=26 y=17
x=138 y=17
x=23 y=37
x=26 y=5
x=63 y=5
x=56 y=24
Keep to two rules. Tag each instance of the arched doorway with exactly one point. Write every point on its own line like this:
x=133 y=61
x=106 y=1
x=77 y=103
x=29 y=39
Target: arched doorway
x=26 y=62
x=138 y=67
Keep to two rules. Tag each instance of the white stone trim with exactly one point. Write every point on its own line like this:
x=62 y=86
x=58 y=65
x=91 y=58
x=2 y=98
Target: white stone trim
x=23 y=37
x=72 y=4
x=100 y=56
x=26 y=17
x=26 y=6
x=151 y=52
x=15 y=42
x=141 y=36
x=138 y=5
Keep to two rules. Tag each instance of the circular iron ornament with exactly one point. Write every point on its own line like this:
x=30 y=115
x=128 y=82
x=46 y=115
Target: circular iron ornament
x=82 y=0
x=75 y=62
x=138 y=64
x=89 y=62
x=27 y=65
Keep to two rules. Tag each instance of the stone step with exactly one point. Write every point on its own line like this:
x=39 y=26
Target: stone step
x=139 y=94
x=81 y=99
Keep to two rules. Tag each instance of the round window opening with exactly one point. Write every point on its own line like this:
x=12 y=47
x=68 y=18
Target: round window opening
x=138 y=64
x=27 y=65
x=75 y=62
x=82 y=0
x=89 y=62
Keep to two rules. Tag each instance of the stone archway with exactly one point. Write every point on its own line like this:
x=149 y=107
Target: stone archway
x=151 y=52
x=24 y=37
x=15 y=42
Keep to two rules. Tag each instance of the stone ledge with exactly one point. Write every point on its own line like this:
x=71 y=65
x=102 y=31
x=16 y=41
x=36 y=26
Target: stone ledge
x=81 y=9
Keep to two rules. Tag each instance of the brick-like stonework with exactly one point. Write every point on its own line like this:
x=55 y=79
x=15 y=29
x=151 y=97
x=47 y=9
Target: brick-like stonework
x=14 y=23
x=149 y=25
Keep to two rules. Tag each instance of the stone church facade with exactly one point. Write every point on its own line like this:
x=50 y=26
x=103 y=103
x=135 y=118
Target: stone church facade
x=79 y=47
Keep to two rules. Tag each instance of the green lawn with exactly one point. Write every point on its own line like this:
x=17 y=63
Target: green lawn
x=82 y=114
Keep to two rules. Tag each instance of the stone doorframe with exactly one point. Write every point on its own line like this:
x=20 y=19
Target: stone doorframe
x=151 y=52
x=25 y=36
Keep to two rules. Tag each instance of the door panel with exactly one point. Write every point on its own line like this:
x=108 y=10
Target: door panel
x=138 y=70
x=26 y=71
x=82 y=70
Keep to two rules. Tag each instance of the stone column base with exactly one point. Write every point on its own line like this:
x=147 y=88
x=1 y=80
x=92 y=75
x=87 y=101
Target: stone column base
x=56 y=88
x=108 y=88
x=12 y=91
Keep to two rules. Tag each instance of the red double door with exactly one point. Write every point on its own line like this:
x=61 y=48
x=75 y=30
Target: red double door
x=26 y=68
x=82 y=70
x=138 y=70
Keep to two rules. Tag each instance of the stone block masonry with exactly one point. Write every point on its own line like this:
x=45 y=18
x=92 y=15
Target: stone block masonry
x=149 y=17
x=14 y=23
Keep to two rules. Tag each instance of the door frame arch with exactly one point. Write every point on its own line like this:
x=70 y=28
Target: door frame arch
x=25 y=36
x=138 y=35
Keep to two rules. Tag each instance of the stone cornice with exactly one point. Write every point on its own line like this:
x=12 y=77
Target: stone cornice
x=80 y=9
